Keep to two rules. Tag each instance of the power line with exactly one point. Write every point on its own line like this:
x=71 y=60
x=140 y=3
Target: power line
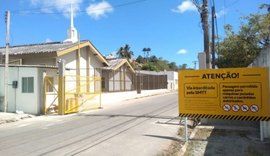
x=39 y=10
x=213 y=34
x=215 y=31
x=216 y=25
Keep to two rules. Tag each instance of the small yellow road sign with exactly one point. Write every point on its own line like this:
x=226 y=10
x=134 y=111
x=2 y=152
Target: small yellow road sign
x=231 y=93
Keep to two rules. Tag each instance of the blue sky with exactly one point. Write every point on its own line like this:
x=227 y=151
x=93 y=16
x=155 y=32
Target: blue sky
x=171 y=28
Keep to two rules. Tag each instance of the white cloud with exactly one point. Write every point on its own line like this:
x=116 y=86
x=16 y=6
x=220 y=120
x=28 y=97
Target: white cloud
x=63 y=6
x=221 y=13
x=182 y=51
x=97 y=10
x=186 y=5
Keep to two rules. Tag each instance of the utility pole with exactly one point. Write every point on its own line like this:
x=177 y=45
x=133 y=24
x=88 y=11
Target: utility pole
x=195 y=64
x=203 y=10
x=213 y=37
x=205 y=24
x=6 y=74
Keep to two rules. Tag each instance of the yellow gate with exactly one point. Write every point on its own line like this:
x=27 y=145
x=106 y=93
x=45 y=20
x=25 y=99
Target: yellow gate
x=50 y=95
x=75 y=94
x=81 y=93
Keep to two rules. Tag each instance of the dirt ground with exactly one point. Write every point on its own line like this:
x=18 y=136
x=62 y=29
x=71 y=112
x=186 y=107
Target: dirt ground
x=220 y=141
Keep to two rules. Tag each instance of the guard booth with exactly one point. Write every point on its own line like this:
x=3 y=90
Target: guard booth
x=25 y=88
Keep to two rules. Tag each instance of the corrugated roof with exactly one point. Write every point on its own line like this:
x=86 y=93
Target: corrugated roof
x=38 y=48
x=113 y=63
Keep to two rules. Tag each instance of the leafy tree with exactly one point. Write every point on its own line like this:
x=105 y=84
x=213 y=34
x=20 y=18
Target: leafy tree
x=173 y=66
x=234 y=51
x=149 y=66
x=153 y=59
x=182 y=67
x=162 y=65
x=158 y=64
x=124 y=52
x=140 y=59
x=239 y=49
x=258 y=27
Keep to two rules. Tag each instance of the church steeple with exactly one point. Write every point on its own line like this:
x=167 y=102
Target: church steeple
x=71 y=17
x=72 y=31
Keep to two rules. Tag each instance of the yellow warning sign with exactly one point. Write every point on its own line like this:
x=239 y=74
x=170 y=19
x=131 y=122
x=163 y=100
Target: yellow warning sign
x=231 y=93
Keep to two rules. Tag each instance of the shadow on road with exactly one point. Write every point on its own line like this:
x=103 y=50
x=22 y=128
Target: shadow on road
x=163 y=137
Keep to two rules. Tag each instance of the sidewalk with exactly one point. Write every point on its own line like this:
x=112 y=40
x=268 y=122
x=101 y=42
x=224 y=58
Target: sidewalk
x=108 y=100
x=13 y=117
x=116 y=97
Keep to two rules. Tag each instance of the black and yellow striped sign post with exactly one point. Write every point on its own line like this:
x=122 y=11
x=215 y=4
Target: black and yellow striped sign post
x=231 y=94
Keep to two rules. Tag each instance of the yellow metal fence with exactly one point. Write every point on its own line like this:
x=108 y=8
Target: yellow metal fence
x=74 y=94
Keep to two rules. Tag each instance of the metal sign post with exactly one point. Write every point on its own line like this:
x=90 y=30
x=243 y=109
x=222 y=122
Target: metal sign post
x=186 y=130
x=261 y=131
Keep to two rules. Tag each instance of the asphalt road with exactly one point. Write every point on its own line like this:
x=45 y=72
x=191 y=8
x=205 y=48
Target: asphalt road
x=141 y=127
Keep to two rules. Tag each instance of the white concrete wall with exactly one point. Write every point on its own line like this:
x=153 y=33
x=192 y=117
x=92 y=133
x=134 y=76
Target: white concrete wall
x=172 y=77
x=26 y=102
x=83 y=62
x=263 y=60
x=70 y=60
x=95 y=63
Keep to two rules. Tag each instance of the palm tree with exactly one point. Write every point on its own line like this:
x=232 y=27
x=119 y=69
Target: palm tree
x=146 y=52
x=124 y=52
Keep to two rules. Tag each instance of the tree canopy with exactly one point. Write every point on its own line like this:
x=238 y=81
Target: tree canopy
x=151 y=63
x=239 y=49
x=125 y=52
x=159 y=64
